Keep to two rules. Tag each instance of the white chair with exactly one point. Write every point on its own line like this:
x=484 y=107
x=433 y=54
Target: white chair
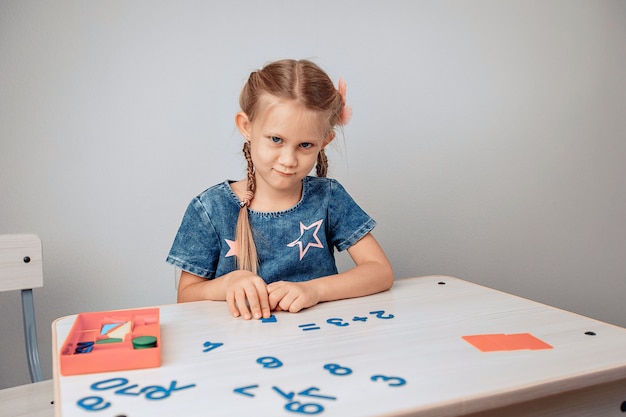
x=21 y=269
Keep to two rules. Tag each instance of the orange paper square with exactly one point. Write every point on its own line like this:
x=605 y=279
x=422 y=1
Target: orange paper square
x=503 y=342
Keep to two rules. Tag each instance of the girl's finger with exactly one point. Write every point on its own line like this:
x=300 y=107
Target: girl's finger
x=230 y=301
x=242 y=305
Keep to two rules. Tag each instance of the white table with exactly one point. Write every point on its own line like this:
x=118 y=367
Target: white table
x=398 y=353
x=29 y=400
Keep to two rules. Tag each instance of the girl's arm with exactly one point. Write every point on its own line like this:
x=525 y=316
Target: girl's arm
x=372 y=273
x=245 y=292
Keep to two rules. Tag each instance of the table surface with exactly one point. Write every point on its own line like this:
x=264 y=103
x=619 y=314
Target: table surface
x=29 y=400
x=396 y=353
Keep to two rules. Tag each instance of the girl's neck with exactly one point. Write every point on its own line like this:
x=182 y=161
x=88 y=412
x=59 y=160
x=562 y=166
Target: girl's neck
x=267 y=199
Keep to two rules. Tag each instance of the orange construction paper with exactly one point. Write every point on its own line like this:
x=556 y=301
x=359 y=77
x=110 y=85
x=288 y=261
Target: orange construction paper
x=502 y=342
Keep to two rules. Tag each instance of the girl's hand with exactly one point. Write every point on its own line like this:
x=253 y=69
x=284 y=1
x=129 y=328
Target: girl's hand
x=246 y=295
x=292 y=296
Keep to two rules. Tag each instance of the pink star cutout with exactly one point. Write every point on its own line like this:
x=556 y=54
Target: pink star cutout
x=233 y=248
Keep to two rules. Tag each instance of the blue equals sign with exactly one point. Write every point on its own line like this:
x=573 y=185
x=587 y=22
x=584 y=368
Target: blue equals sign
x=310 y=326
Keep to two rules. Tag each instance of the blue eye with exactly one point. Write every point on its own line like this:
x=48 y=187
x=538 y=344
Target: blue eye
x=276 y=139
x=306 y=145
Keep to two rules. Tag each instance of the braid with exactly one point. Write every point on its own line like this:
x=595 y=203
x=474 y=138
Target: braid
x=251 y=179
x=322 y=164
x=247 y=258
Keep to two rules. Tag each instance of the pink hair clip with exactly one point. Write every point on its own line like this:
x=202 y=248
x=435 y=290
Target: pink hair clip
x=346 y=111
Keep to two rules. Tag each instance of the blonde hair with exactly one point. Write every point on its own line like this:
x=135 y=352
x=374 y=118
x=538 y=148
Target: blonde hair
x=301 y=81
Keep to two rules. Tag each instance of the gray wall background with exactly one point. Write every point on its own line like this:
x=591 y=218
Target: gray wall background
x=488 y=139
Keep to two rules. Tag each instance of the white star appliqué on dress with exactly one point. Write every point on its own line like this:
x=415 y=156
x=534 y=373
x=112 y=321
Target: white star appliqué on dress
x=312 y=241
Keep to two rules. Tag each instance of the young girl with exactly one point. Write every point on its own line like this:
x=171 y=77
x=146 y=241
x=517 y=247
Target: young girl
x=266 y=242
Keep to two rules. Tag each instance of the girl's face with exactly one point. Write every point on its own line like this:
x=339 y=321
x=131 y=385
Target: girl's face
x=285 y=139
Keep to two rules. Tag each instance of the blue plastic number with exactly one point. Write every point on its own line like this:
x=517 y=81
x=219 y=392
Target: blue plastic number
x=287 y=395
x=309 y=393
x=337 y=322
x=93 y=403
x=380 y=314
x=393 y=381
x=101 y=385
x=84 y=347
x=269 y=362
x=306 y=408
x=125 y=390
x=156 y=392
x=208 y=346
x=338 y=370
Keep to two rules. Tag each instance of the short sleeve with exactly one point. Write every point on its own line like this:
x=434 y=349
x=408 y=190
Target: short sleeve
x=349 y=223
x=196 y=247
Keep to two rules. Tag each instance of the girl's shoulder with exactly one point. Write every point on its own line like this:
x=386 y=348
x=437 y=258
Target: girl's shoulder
x=322 y=182
x=320 y=185
x=219 y=193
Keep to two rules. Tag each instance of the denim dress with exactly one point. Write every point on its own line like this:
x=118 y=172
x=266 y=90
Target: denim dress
x=296 y=244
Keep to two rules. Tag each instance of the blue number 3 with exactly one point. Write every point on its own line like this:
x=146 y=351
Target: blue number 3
x=393 y=381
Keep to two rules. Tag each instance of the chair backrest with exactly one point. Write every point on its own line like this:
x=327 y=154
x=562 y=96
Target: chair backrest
x=21 y=268
x=20 y=262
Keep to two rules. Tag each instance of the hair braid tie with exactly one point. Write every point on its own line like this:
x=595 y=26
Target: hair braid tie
x=247 y=199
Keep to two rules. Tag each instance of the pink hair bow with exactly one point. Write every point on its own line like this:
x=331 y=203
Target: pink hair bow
x=346 y=111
